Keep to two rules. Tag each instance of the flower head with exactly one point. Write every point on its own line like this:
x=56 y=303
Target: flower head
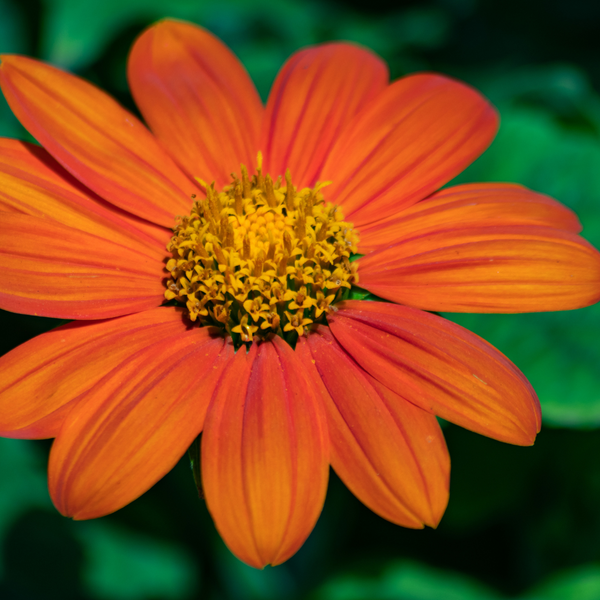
x=210 y=262
x=247 y=253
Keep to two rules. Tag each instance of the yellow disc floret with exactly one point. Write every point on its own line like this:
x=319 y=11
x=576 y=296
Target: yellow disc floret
x=261 y=256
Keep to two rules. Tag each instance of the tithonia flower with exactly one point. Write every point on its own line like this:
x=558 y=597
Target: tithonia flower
x=208 y=263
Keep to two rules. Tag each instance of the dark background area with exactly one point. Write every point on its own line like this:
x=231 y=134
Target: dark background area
x=522 y=522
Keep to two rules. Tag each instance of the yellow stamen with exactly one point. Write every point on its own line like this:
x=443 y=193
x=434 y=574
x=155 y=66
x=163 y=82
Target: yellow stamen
x=259 y=257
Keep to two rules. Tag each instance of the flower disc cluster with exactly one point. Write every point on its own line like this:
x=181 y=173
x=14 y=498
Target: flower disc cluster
x=261 y=257
x=130 y=386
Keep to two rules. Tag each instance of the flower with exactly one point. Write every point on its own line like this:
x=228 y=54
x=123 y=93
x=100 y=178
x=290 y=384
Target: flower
x=208 y=302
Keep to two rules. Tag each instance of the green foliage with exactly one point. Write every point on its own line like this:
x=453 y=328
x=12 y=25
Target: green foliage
x=124 y=565
x=582 y=583
x=522 y=523
x=23 y=483
x=408 y=581
x=12 y=41
x=413 y=581
x=75 y=34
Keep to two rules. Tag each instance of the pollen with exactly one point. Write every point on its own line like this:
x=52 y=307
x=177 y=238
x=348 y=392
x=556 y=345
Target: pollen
x=261 y=257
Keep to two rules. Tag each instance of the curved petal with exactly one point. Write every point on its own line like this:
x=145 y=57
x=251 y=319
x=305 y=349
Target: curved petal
x=473 y=205
x=265 y=455
x=316 y=94
x=135 y=424
x=389 y=453
x=486 y=269
x=33 y=183
x=197 y=98
x=414 y=137
x=96 y=140
x=440 y=367
x=52 y=270
x=43 y=378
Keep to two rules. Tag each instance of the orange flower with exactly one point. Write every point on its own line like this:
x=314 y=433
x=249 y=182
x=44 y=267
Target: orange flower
x=262 y=264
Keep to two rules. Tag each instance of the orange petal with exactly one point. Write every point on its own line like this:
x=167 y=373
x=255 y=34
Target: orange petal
x=473 y=205
x=52 y=270
x=414 y=137
x=317 y=92
x=42 y=379
x=33 y=183
x=440 y=367
x=486 y=269
x=134 y=425
x=389 y=453
x=96 y=140
x=265 y=455
x=197 y=98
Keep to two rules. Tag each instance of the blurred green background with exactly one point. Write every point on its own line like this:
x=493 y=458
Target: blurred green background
x=522 y=522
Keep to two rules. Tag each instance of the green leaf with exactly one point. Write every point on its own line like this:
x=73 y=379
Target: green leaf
x=408 y=581
x=76 y=33
x=582 y=583
x=122 y=565
x=12 y=36
x=23 y=482
x=357 y=293
x=9 y=125
x=12 y=29
x=247 y=583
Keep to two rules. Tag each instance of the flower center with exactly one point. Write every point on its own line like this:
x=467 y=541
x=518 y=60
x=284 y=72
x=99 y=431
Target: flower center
x=261 y=257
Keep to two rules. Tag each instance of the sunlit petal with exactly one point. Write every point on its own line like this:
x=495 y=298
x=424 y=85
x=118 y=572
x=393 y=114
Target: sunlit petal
x=135 y=424
x=265 y=452
x=95 y=139
x=53 y=370
x=316 y=94
x=390 y=453
x=507 y=269
x=474 y=205
x=56 y=271
x=197 y=98
x=440 y=367
x=415 y=136
x=33 y=183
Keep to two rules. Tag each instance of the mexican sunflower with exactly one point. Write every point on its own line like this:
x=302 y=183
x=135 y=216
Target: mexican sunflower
x=217 y=267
